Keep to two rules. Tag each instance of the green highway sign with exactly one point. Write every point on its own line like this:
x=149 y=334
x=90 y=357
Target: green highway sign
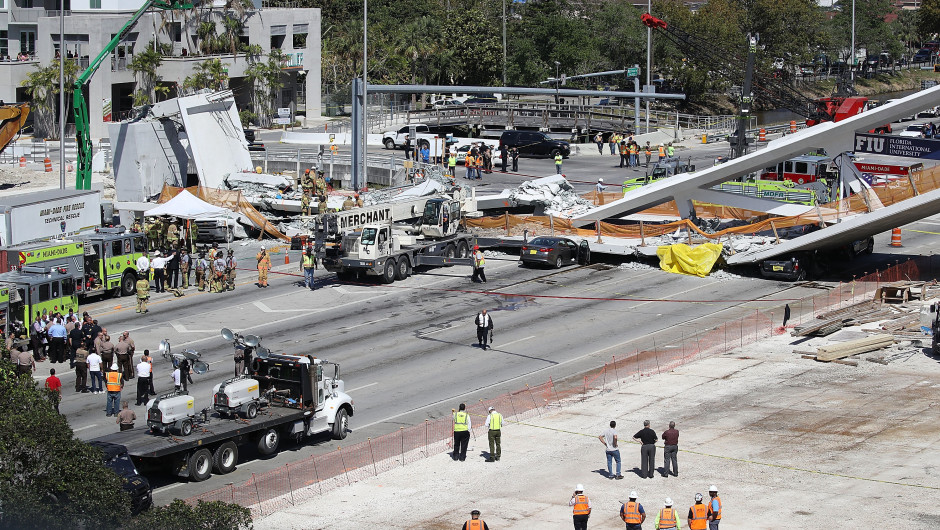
x=633 y=72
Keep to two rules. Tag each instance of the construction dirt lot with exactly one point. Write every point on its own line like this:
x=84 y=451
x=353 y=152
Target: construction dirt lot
x=790 y=443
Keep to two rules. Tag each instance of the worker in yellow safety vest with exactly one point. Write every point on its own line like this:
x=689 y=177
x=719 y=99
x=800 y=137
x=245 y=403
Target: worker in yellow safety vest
x=666 y=518
x=558 y=159
x=452 y=164
x=461 y=433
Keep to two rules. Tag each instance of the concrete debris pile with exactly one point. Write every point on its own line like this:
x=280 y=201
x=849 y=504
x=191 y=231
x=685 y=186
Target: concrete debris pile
x=551 y=196
x=262 y=185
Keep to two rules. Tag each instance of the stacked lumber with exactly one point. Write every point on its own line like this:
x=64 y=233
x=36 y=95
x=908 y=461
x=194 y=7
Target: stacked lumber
x=853 y=347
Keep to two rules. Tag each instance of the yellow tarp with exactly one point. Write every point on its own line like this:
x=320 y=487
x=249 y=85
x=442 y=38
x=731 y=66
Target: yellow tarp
x=683 y=259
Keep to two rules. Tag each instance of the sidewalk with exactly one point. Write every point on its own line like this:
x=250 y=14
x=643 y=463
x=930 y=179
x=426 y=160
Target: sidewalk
x=788 y=441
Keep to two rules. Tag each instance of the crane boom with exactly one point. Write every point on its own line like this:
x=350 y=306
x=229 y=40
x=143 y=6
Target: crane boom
x=12 y=120
x=80 y=106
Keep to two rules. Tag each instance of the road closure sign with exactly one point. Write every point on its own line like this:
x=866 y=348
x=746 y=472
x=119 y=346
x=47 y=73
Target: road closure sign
x=879 y=144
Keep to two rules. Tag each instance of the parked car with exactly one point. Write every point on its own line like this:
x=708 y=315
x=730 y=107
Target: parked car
x=913 y=131
x=482 y=100
x=444 y=104
x=534 y=143
x=116 y=458
x=555 y=252
x=923 y=55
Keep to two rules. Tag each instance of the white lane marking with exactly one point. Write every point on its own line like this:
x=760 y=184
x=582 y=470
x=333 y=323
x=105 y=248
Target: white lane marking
x=263 y=307
x=510 y=380
x=179 y=328
x=365 y=323
x=342 y=290
x=171 y=486
x=517 y=340
x=361 y=387
x=85 y=427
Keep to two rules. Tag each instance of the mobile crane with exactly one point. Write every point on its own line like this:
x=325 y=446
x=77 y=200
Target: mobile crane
x=82 y=135
x=728 y=63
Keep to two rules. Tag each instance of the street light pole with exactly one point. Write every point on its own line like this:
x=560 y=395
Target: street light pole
x=557 y=80
x=61 y=94
x=363 y=164
x=852 y=62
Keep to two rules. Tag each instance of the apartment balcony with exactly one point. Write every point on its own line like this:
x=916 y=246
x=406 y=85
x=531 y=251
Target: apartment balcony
x=25 y=15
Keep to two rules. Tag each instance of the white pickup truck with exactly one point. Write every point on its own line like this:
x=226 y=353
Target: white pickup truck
x=396 y=139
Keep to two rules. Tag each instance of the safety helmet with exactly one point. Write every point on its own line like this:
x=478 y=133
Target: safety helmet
x=262 y=247
x=476 y=247
x=668 y=501
x=713 y=488
x=698 y=497
x=579 y=487
x=600 y=180
x=633 y=495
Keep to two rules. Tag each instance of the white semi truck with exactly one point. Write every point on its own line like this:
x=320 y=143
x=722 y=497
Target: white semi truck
x=292 y=396
x=392 y=251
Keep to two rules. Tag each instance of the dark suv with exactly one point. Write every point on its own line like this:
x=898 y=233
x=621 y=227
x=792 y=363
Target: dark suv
x=534 y=143
x=136 y=485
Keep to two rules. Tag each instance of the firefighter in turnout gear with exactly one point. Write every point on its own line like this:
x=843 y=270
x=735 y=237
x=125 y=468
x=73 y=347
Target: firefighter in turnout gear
x=230 y=265
x=264 y=265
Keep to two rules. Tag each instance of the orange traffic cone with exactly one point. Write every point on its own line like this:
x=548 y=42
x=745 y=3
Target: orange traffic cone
x=896 y=237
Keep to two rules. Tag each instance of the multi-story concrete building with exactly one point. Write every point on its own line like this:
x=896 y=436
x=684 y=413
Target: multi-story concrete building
x=29 y=38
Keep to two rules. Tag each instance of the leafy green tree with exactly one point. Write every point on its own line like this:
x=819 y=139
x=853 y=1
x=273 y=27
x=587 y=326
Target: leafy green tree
x=265 y=78
x=178 y=515
x=48 y=478
x=42 y=86
x=210 y=74
x=872 y=33
x=144 y=65
x=928 y=17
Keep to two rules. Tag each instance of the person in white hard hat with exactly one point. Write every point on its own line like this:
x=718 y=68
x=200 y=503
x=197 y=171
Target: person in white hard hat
x=494 y=426
x=714 y=508
x=264 y=265
x=666 y=519
x=581 y=508
x=698 y=514
x=632 y=513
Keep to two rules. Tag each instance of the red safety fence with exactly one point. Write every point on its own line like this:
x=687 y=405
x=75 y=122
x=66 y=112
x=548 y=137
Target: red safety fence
x=301 y=480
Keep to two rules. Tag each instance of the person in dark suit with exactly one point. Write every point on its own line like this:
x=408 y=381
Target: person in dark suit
x=484 y=324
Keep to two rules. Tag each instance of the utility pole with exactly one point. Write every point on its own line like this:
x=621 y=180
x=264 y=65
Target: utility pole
x=61 y=94
x=504 y=42
x=362 y=180
x=649 y=62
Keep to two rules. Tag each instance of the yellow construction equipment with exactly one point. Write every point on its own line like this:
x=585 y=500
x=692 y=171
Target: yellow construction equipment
x=12 y=120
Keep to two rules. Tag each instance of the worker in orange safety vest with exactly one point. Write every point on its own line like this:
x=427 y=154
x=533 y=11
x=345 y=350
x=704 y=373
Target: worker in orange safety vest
x=581 y=508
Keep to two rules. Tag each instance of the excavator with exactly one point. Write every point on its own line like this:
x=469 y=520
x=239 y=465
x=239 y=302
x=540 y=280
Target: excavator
x=12 y=120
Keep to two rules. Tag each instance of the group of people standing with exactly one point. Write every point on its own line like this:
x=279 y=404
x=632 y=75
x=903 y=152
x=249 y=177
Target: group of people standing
x=700 y=516
x=479 y=160
x=630 y=151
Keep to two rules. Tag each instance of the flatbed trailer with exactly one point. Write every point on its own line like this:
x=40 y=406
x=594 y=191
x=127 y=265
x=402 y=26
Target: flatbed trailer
x=399 y=264
x=213 y=445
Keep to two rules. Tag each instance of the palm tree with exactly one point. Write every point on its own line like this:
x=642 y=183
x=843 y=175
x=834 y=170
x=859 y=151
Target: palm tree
x=233 y=29
x=144 y=65
x=209 y=74
x=42 y=86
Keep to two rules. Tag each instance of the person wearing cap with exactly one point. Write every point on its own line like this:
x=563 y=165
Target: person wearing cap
x=264 y=265
x=580 y=508
x=494 y=425
x=475 y=523
x=698 y=514
x=479 y=262
x=609 y=439
x=461 y=432
x=632 y=513
x=666 y=519
x=484 y=324
x=714 y=508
